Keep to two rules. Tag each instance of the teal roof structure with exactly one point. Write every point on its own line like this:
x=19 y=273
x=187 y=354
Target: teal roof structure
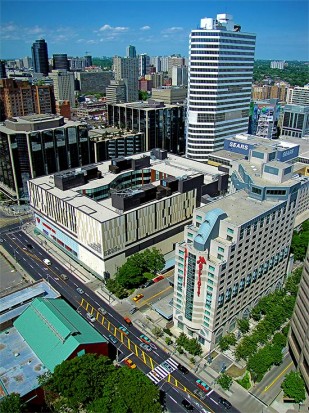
x=54 y=330
x=208 y=228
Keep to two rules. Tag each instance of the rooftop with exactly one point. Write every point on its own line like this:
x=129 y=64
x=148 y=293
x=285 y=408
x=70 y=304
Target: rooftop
x=240 y=207
x=20 y=366
x=102 y=211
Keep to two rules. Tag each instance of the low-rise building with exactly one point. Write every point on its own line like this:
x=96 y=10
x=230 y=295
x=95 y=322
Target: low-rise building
x=101 y=214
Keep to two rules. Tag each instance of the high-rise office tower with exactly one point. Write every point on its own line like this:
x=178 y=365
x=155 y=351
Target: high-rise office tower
x=221 y=59
x=299 y=332
x=40 y=57
x=60 y=61
x=126 y=68
x=144 y=64
x=131 y=51
x=63 y=82
x=2 y=69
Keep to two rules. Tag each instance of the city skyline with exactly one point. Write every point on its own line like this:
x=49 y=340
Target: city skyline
x=160 y=28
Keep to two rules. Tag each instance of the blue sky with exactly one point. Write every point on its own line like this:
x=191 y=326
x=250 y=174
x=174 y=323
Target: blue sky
x=105 y=28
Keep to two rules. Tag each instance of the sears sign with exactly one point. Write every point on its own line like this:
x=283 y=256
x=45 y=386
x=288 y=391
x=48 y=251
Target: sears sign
x=236 y=146
x=287 y=154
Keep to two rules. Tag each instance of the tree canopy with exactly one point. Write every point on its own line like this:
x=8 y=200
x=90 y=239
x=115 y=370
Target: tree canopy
x=300 y=242
x=139 y=267
x=92 y=383
x=293 y=386
x=11 y=404
x=295 y=73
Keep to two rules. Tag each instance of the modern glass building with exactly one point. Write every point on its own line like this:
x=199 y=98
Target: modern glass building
x=40 y=57
x=221 y=59
x=37 y=145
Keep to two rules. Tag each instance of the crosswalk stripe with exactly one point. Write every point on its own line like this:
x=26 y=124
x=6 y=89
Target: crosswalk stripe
x=160 y=372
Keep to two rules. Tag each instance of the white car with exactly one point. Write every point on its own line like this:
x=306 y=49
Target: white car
x=46 y=261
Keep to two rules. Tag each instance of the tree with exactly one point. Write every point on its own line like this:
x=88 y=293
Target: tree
x=227 y=341
x=243 y=325
x=142 y=95
x=157 y=331
x=92 y=383
x=293 y=386
x=225 y=381
x=11 y=404
x=300 y=242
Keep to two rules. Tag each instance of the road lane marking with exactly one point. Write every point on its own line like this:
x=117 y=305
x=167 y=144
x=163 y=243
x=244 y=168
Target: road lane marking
x=274 y=381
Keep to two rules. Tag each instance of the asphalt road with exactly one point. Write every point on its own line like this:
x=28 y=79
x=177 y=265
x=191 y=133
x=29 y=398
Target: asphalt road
x=156 y=364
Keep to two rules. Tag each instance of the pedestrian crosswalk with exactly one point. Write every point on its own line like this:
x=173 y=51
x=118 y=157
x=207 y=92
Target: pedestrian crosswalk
x=162 y=370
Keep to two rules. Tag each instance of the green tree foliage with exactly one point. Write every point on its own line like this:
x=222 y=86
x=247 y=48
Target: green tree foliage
x=260 y=362
x=168 y=340
x=227 y=341
x=245 y=382
x=11 y=404
x=295 y=73
x=243 y=325
x=225 y=381
x=91 y=383
x=300 y=242
x=142 y=95
x=246 y=348
x=157 y=331
x=103 y=62
x=136 y=269
x=114 y=287
x=190 y=344
x=279 y=340
x=293 y=386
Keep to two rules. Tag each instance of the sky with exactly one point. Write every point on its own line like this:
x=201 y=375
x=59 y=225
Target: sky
x=158 y=28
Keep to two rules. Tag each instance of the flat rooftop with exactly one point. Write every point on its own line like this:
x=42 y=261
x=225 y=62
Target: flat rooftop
x=20 y=367
x=175 y=166
x=12 y=305
x=240 y=207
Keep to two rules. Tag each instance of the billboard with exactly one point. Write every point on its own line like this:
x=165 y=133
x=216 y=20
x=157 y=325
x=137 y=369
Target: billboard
x=287 y=154
x=238 y=147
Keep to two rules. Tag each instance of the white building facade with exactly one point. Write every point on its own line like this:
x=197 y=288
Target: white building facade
x=236 y=251
x=221 y=60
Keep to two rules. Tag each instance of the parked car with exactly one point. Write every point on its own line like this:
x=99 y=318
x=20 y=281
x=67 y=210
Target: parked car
x=145 y=339
x=133 y=310
x=90 y=317
x=124 y=330
x=129 y=363
x=128 y=321
x=148 y=283
x=138 y=297
x=224 y=403
x=113 y=339
x=102 y=310
x=158 y=278
x=202 y=385
x=145 y=347
x=183 y=369
x=187 y=405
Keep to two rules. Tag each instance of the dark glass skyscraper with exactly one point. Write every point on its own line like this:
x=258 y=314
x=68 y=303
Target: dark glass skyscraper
x=60 y=61
x=40 y=57
x=131 y=51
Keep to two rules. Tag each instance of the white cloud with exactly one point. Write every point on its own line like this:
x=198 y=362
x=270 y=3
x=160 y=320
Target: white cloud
x=114 y=29
x=145 y=28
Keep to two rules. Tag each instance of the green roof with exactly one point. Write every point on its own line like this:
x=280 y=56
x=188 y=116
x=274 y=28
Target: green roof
x=54 y=330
